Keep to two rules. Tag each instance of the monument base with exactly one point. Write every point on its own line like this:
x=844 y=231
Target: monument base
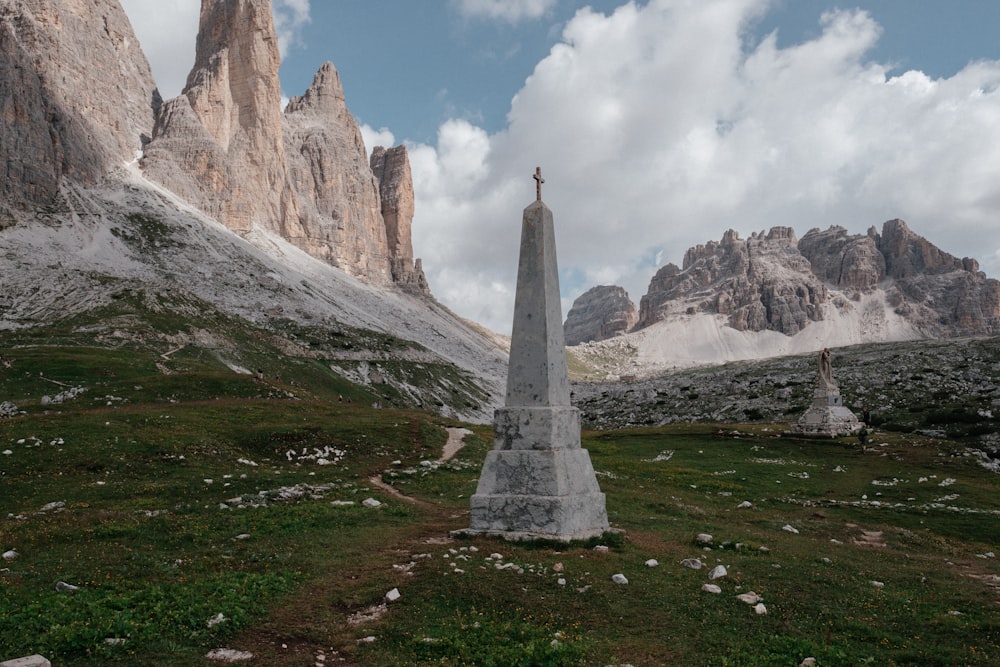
x=826 y=417
x=527 y=494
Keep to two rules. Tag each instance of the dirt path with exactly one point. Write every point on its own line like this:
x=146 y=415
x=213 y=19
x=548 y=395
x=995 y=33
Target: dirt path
x=455 y=442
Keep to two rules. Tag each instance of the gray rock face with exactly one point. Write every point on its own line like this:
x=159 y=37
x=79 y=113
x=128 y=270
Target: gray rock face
x=219 y=145
x=759 y=283
x=773 y=282
x=338 y=195
x=391 y=168
x=77 y=96
x=599 y=313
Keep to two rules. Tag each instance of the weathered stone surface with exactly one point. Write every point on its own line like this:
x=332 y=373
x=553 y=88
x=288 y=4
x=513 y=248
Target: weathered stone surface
x=338 y=195
x=772 y=282
x=391 y=168
x=537 y=481
x=599 y=313
x=219 y=145
x=63 y=115
x=760 y=283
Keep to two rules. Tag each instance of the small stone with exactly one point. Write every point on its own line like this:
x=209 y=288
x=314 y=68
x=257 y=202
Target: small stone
x=652 y=562
x=216 y=620
x=749 y=598
x=711 y=588
x=601 y=548
x=243 y=536
x=808 y=662
x=371 y=502
x=228 y=655
x=7 y=452
x=760 y=609
x=63 y=587
x=790 y=529
x=367 y=640
x=115 y=641
x=703 y=538
x=746 y=504
x=877 y=584
x=393 y=595
x=692 y=563
x=717 y=572
x=619 y=579
x=10 y=555
x=558 y=567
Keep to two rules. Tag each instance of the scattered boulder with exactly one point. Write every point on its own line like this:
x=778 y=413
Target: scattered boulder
x=619 y=579
x=703 y=539
x=718 y=572
x=711 y=588
x=749 y=598
x=63 y=587
x=692 y=563
x=393 y=595
x=228 y=655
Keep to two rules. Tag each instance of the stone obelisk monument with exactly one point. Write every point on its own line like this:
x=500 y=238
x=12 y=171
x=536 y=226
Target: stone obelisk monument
x=538 y=482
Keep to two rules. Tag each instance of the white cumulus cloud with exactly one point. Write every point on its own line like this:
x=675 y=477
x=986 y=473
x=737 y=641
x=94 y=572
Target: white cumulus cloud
x=661 y=125
x=507 y=10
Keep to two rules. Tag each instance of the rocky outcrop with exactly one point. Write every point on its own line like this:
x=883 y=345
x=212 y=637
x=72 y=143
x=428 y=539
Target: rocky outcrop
x=391 y=168
x=759 y=283
x=77 y=97
x=598 y=314
x=338 y=195
x=219 y=145
x=773 y=282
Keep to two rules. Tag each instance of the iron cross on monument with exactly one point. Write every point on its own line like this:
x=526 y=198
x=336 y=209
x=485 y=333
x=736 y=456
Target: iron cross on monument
x=538 y=183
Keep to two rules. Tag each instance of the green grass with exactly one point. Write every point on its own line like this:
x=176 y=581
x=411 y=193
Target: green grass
x=172 y=512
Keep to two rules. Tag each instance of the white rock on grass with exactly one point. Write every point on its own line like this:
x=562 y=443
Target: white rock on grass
x=745 y=505
x=760 y=609
x=393 y=595
x=711 y=588
x=371 y=502
x=703 y=538
x=652 y=562
x=63 y=587
x=10 y=555
x=788 y=528
x=808 y=662
x=749 y=598
x=877 y=584
x=619 y=579
x=228 y=655
x=692 y=563
x=717 y=572
x=216 y=620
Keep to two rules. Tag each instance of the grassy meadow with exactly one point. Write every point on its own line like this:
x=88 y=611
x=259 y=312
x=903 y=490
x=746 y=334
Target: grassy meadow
x=170 y=492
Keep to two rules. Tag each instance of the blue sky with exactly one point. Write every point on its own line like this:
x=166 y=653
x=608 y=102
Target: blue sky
x=659 y=124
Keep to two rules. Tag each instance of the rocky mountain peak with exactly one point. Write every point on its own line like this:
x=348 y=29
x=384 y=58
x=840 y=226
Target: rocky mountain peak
x=391 y=168
x=598 y=314
x=893 y=284
x=325 y=95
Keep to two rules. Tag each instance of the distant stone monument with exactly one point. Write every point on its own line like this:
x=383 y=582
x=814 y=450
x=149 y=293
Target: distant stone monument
x=827 y=415
x=537 y=482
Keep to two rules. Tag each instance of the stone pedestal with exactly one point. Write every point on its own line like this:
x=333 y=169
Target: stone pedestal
x=827 y=416
x=537 y=482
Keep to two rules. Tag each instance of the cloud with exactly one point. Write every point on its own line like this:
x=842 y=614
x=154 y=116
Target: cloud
x=511 y=11
x=167 y=30
x=661 y=125
x=290 y=17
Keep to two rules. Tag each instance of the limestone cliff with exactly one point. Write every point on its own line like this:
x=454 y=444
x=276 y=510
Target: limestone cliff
x=219 y=145
x=338 y=195
x=773 y=282
x=77 y=96
x=759 y=283
x=599 y=313
x=391 y=168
